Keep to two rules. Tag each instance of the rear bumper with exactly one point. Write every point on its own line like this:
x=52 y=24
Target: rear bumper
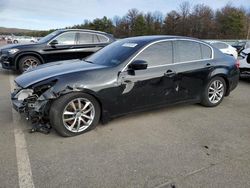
x=234 y=80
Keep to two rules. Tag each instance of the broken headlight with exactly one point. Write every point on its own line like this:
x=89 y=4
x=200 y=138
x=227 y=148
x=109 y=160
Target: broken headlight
x=24 y=94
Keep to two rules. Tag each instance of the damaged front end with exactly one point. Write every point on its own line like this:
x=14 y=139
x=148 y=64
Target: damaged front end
x=34 y=103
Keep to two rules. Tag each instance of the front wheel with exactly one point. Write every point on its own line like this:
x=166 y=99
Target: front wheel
x=214 y=92
x=74 y=114
x=27 y=63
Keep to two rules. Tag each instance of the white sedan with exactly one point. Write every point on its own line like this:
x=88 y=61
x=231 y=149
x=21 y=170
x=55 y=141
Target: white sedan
x=225 y=48
x=244 y=59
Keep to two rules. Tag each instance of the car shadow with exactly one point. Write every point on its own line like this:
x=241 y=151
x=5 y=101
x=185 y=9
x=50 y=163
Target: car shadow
x=245 y=78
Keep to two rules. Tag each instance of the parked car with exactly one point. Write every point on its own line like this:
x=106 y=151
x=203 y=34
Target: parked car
x=241 y=45
x=23 y=39
x=9 y=40
x=225 y=48
x=244 y=59
x=128 y=75
x=60 y=45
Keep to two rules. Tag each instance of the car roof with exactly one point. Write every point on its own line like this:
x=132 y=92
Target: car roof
x=83 y=30
x=153 y=38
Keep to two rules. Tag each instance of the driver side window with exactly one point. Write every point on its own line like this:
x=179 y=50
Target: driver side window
x=66 y=38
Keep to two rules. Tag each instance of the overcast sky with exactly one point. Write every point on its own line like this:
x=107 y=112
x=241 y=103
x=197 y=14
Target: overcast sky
x=48 y=14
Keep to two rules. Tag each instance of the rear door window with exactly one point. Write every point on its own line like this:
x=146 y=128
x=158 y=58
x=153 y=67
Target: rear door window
x=86 y=38
x=187 y=51
x=91 y=38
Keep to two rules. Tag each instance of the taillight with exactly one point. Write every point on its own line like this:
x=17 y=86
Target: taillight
x=237 y=63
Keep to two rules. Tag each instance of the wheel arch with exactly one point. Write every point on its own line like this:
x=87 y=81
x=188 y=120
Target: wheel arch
x=19 y=56
x=224 y=76
x=104 y=116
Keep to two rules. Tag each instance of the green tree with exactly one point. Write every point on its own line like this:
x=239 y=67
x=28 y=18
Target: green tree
x=230 y=22
x=140 y=27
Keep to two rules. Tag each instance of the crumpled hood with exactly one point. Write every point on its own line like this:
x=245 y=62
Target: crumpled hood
x=51 y=70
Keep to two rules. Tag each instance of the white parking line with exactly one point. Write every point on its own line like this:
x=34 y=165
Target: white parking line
x=23 y=161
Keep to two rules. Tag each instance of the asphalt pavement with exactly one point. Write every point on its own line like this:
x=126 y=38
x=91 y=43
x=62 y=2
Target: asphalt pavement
x=179 y=146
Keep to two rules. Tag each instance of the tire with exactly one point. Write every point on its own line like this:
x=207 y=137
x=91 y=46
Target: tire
x=27 y=62
x=15 y=41
x=60 y=109
x=207 y=99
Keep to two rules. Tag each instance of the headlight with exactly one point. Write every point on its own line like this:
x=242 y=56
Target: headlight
x=13 y=51
x=23 y=94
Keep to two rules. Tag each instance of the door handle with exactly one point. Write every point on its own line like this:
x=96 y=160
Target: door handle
x=170 y=73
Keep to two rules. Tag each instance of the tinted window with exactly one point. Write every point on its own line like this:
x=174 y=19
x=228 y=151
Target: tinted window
x=66 y=38
x=157 y=54
x=187 y=51
x=89 y=38
x=220 y=45
x=102 y=39
x=206 y=51
x=86 y=38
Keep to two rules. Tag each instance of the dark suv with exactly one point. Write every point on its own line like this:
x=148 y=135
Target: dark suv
x=63 y=44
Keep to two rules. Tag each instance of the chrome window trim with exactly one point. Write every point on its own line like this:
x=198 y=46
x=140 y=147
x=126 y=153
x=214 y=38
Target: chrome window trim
x=78 y=32
x=165 y=40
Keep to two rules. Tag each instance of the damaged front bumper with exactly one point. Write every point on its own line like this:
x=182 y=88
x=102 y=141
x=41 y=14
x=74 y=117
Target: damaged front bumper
x=18 y=105
x=31 y=107
x=35 y=111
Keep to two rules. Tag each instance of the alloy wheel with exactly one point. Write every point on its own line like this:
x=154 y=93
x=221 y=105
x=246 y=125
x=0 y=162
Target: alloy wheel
x=216 y=91
x=78 y=115
x=29 y=64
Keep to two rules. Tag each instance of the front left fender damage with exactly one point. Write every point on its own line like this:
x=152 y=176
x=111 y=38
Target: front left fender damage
x=36 y=107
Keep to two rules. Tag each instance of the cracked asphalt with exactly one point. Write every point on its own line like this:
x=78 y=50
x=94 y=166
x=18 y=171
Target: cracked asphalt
x=178 y=146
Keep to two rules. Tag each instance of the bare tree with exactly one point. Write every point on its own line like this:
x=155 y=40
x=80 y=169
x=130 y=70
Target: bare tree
x=184 y=11
x=131 y=17
x=202 y=21
x=172 y=23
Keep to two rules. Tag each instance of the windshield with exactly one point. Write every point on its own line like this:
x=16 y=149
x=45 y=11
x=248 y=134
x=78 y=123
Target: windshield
x=48 y=37
x=115 y=53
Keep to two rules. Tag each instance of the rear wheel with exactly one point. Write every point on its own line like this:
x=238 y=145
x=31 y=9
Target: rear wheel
x=28 y=62
x=74 y=114
x=15 y=41
x=214 y=92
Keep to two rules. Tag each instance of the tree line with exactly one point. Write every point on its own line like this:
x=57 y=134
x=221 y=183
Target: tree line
x=199 y=21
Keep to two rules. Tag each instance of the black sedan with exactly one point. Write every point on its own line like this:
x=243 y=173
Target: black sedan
x=63 y=44
x=127 y=76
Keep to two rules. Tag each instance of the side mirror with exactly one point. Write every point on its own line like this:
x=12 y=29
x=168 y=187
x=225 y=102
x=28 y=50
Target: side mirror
x=138 y=65
x=248 y=58
x=53 y=43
